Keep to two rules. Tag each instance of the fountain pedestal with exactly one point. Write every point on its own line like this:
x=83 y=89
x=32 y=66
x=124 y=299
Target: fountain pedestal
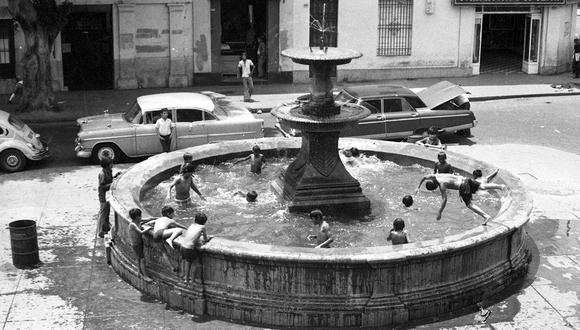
x=317 y=179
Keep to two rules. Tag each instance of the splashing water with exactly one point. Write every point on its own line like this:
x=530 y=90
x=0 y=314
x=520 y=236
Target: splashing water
x=268 y=222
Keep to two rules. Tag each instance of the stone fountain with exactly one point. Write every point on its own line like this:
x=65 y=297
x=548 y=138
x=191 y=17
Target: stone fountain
x=317 y=179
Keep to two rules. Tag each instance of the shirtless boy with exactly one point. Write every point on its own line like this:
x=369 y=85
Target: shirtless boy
x=182 y=184
x=191 y=240
x=256 y=158
x=165 y=226
x=466 y=187
x=323 y=238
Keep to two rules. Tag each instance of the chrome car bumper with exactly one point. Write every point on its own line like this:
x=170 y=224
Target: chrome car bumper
x=81 y=151
x=38 y=155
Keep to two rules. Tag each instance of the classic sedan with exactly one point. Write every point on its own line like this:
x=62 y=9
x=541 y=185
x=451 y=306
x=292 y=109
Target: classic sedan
x=397 y=112
x=18 y=144
x=199 y=118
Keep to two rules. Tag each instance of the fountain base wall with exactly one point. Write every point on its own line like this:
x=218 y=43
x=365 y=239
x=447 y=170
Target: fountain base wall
x=305 y=287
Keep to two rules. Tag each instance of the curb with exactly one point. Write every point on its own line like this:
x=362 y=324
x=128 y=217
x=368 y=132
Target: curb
x=267 y=109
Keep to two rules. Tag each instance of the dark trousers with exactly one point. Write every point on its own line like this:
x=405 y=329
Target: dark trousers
x=165 y=142
x=104 y=211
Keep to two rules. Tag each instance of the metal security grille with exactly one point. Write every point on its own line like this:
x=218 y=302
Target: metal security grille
x=6 y=49
x=395 y=27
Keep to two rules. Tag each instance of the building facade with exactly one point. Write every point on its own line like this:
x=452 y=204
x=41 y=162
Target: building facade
x=154 y=43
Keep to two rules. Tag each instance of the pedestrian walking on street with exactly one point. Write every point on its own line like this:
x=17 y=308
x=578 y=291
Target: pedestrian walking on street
x=164 y=126
x=245 y=71
x=105 y=180
x=576 y=60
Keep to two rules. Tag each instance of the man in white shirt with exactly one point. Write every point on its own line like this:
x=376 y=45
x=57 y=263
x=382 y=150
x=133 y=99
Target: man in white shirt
x=245 y=70
x=163 y=126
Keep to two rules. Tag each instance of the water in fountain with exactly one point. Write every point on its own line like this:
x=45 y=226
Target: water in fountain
x=269 y=222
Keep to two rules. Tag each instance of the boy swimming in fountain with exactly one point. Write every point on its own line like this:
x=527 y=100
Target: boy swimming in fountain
x=187 y=159
x=256 y=158
x=323 y=238
x=182 y=184
x=398 y=235
x=442 y=166
x=250 y=196
x=466 y=187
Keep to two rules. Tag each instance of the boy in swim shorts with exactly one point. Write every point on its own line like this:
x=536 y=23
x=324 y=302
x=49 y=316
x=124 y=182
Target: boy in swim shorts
x=182 y=184
x=191 y=240
x=466 y=187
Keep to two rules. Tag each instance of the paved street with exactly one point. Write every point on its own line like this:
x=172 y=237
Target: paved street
x=534 y=138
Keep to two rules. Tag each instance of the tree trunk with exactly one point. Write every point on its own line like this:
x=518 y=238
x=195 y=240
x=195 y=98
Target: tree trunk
x=37 y=93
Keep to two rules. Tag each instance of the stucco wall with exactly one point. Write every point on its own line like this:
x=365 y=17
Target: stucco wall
x=441 y=42
x=557 y=35
x=201 y=36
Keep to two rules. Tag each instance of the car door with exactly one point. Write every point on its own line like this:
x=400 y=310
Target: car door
x=402 y=119
x=146 y=137
x=190 y=128
x=372 y=126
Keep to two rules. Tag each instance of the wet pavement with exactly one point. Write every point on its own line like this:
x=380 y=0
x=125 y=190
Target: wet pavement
x=76 y=289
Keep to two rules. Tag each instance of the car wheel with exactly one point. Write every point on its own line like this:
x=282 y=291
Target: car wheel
x=102 y=149
x=464 y=132
x=12 y=160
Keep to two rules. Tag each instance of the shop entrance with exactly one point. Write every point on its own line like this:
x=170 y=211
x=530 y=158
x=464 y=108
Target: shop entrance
x=242 y=23
x=87 y=48
x=502 y=43
x=506 y=42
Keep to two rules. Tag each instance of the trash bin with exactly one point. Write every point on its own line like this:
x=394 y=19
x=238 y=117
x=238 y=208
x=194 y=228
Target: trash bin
x=24 y=243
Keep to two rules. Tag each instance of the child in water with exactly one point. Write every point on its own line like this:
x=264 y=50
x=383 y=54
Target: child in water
x=257 y=160
x=398 y=234
x=182 y=184
x=431 y=140
x=250 y=196
x=442 y=166
x=323 y=238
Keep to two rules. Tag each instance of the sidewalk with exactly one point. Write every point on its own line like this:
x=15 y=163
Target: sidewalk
x=76 y=289
x=77 y=104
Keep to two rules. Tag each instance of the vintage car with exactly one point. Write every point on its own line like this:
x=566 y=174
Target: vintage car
x=18 y=143
x=397 y=112
x=199 y=118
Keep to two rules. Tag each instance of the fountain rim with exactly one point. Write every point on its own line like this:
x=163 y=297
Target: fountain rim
x=513 y=214
x=312 y=55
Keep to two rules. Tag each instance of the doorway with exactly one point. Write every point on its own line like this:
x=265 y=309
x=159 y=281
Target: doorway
x=87 y=48
x=242 y=23
x=502 y=43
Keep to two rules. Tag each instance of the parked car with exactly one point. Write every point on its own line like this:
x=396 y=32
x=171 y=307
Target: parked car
x=199 y=118
x=398 y=112
x=18 y=144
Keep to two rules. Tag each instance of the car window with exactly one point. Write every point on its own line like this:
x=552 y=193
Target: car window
x=415 y=102
x=16 y=122
x=189 y=115
x=134 y=111
x=152 y=116
x=1 y=131
x=344 y=97
x=208 y=116
x=392 y=105
x=373 y=105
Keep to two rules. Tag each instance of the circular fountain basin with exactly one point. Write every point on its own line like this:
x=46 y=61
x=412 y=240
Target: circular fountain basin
x=341 y=287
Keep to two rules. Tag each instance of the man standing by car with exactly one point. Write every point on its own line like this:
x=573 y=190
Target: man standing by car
x=245 y=70
x=163 y=126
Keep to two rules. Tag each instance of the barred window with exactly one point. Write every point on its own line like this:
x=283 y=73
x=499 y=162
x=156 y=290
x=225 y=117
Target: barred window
x=6 y=49
x=395 y=27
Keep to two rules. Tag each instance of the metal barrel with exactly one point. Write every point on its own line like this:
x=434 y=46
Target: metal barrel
x=24 y=243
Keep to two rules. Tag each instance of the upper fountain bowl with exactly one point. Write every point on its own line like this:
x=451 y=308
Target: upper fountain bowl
x=310 y=55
